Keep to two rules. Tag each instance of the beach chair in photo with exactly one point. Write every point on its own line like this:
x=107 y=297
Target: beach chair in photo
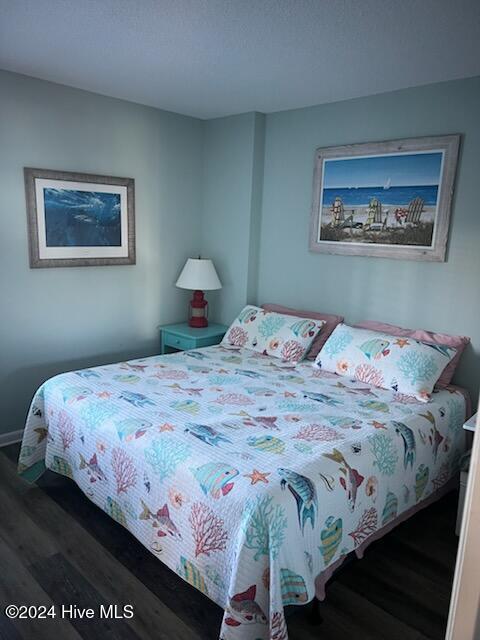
x=375 y=221
x=415 y=210
x=338 y=212
x=350 y=223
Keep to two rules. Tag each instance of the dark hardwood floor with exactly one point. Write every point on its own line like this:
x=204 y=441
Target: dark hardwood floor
x=57 y=547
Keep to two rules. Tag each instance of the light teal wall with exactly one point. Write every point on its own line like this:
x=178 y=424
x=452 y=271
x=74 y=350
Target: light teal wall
x=232 y=190
x=52 y=320
x=438 y=296
x=258 y=159
x=235 y=189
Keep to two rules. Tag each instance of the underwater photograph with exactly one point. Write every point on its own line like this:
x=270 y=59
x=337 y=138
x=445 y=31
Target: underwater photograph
x=75 y=218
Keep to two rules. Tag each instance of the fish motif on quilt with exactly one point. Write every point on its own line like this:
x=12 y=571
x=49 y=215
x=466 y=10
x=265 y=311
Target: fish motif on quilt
x=217 y=460
x=421 y=480
x=75 y=394
x=206 y=434
x=243 y=609
x=267 y=444
x=216 y=479
x=330 y=537
x=191 y=574
x=350 y=479
x=390 y=508
x=294 y=589
x=305 y=494
x=93 y=468
x=115 y=511
x=161 y=521
x=129 y=428
x=408 y=438
x=136 y=399
x=60 y=465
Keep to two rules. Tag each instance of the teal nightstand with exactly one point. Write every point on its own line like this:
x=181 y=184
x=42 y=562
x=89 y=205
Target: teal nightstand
x=181 y=337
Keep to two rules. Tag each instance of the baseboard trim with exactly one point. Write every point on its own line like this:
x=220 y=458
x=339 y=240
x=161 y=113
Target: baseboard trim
x=10 y=438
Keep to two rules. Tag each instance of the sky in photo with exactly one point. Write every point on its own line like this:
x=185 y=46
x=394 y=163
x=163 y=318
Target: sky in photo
x=406 y=169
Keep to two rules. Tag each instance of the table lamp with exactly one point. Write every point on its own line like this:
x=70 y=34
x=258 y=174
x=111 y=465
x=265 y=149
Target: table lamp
x=198 y=274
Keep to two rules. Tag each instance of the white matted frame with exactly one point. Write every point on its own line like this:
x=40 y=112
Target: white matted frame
x=41 y=255
x=447 y=145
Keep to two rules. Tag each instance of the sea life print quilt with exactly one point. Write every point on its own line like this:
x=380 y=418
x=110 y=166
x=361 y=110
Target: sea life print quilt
x=247 y=479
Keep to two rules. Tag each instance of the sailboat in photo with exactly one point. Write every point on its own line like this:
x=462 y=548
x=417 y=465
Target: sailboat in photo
x=387 y=184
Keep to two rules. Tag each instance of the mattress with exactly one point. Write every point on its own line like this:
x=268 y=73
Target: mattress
x=250 y=480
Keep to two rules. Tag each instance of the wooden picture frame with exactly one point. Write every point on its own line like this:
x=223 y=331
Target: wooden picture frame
x=79 y=219
x=348 y=216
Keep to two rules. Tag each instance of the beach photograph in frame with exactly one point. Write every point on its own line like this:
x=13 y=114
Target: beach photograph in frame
x=385 y=199
x=79 y=219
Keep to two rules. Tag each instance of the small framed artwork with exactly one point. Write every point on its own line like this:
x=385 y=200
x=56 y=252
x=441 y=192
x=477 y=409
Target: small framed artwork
x=385 y=199
x=79 y=219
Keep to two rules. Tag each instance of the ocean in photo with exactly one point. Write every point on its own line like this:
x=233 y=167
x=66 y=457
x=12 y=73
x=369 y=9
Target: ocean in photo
x=399 y=196
x=76 y=218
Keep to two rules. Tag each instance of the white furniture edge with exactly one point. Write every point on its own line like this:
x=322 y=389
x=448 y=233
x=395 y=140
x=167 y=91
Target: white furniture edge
x=11 y=437
x=462 y=618
x=470 y=423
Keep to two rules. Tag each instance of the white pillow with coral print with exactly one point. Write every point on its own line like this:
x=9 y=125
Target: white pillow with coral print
x=275 y=334
x=403 y=364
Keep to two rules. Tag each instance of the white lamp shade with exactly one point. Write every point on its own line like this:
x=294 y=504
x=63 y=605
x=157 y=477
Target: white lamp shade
x=199 y=274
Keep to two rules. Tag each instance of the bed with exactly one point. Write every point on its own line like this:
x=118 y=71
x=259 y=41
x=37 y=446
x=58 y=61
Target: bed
x=250 y=480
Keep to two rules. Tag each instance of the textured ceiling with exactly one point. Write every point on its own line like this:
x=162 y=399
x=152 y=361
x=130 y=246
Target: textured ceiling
x=211 y=58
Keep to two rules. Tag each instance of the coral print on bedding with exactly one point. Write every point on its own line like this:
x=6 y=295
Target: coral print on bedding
x=251 y=481
x=275 y=334
x=404 y=365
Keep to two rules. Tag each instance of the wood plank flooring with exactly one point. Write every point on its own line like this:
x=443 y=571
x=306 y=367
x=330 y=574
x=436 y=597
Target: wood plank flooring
x=58 y=547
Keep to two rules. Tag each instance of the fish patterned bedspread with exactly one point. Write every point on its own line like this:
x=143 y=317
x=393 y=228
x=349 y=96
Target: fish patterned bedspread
x=246 y=478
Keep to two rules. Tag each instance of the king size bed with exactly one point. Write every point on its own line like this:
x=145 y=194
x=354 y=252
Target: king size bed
x=250 y=480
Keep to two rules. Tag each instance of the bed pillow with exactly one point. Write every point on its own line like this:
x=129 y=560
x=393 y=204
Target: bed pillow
x=275 y=334
x=405 y=365
x=330 y=320
x=442 y=339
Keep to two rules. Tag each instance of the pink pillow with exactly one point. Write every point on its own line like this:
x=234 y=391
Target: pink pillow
x=457 y=342
x=331 y=322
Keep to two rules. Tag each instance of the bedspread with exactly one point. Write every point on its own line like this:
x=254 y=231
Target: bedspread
x=246 y=478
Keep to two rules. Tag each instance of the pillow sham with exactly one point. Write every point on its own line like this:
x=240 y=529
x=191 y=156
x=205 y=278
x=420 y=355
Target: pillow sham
x=330 y=320
x=382 y=360
x=282 y=336
x=443 y=339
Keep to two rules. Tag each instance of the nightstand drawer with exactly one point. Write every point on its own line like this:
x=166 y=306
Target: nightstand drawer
x=178 y=342
x=208 y=342
x=182 y=337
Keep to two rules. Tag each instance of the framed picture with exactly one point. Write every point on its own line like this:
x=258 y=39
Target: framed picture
x=386 y=199
x=79 y=219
